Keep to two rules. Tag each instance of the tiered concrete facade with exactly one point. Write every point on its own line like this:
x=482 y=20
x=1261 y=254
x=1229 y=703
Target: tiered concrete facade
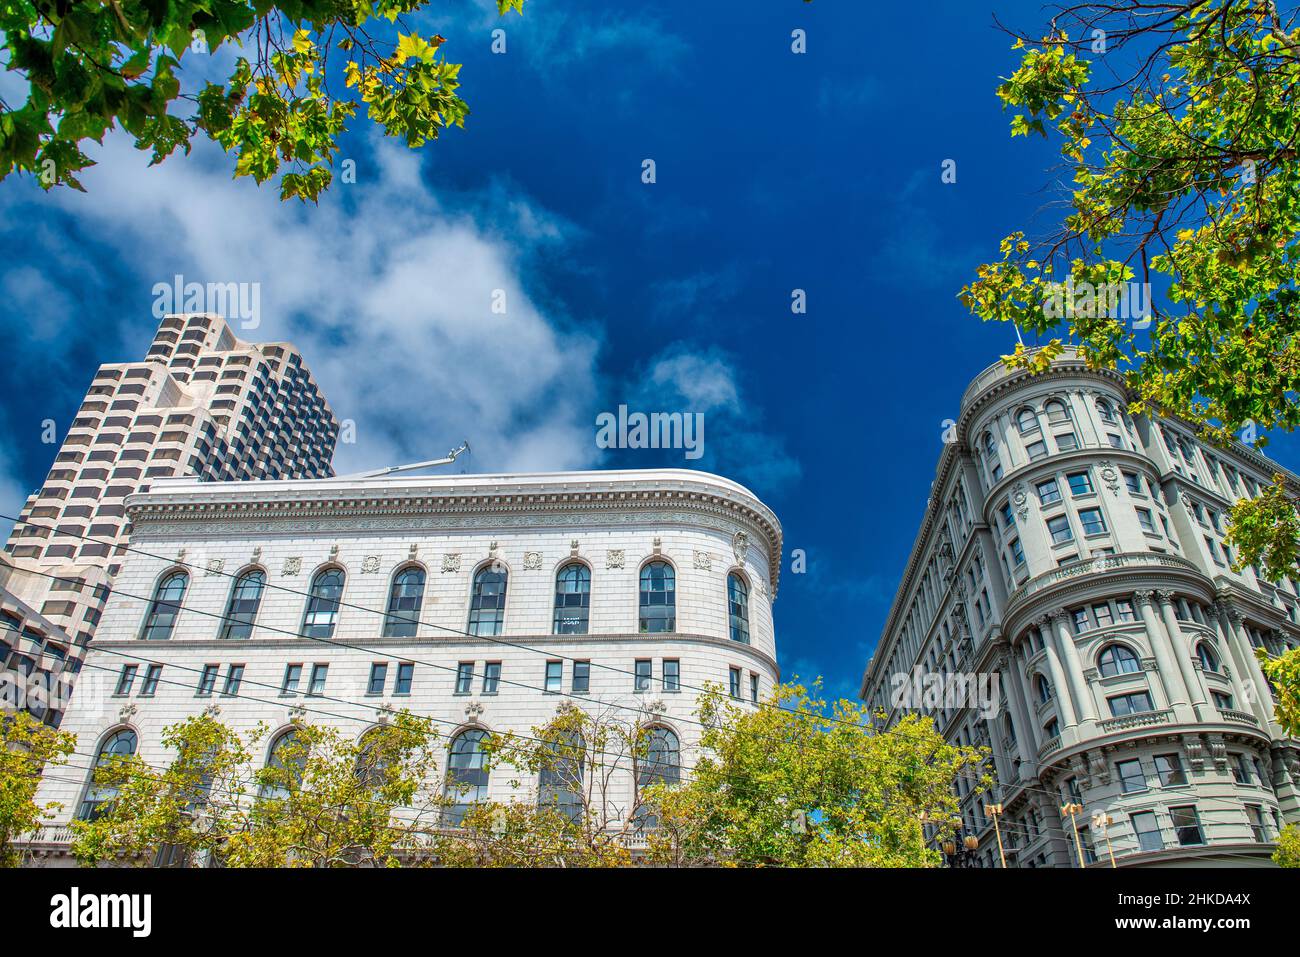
x=1075 y=553
x=449 y=529
x=202 y=403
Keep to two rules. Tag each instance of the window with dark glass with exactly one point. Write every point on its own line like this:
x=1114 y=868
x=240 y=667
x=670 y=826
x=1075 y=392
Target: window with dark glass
x=672 y=675
x=464 y=677
x=166 y=605
x=1187 y=825
x=405 y=672
x=1117 y=660
x=245 y=598
x=641 y=681
x=1131 y=776
x=738 y=606
x=234 y=677
x=572 y=599
x=733 y=681
x=660 y=765
x=491 y=676
x=319 y=674
x=119 y=746
x=559 y=782
x=208 y=679
x=487 y=607
x=405 y=596
x=292 y=675
x=1169 y=768
x=152 y=676
x=467 y=775
x=323 y=604
x=125 y=679
x=658 y=605
x=554 y=676
x=378 y=678
x=581 y=677
x=1147 y=830
x=1135 y=702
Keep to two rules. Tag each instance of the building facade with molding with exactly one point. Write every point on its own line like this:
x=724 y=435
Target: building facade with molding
x=201 y=403
x=484 y=602
x=1071 y=565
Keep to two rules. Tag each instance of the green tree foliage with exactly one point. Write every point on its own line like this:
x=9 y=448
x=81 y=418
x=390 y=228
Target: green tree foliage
x=1288 y=847
x=323 y=800
x=94 y=65
x=27 y=749
x=1284 y=672
x=805 y=784
x=1179 y=124
x=582 y=796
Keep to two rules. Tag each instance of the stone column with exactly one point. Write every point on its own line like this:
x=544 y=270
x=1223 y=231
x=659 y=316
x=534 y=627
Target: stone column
x=1169 y=672
x=1182 y=655
x=1026 y=727
x=1059 y=683
x=1261 y=701
x=1083 y=705
x=1243 y=693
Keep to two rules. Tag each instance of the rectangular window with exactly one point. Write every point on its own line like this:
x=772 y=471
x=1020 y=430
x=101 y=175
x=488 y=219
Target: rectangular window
x=464 y=677
x=1222 y=700
x=1136 y=702
x=1147 y=831
x=1080 y=483
x=1036 y=450
x=126 y=679
x=1102 y=615
x=319 y=672
x=1134 y=482
x=581 y=677
x=405 y=672
x=1125 y=608
x=1049 y=492
x=151 y=677
x=1115 y=441
x=1092 y=521
x=207 y=680
x=234 y=676
x=378 y=678
x=1131 y=776
x=1081 y=622
x=1017 y=552
x=1144 y=519
x=1187 y=825
x=672 y=674
x=1214 y=551
x=1059 y=528
x=753 y=688
x=733 y=681
x=554 y=677
x=1169 y=768
x=641 y=681
x=1255 y=815
x=1067 y=442
x=1242 y=772
x=1008 y=521
x=292 y=675
x=491 y=676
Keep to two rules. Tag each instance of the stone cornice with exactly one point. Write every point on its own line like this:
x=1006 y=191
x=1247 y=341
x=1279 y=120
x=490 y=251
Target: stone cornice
x=473 y=499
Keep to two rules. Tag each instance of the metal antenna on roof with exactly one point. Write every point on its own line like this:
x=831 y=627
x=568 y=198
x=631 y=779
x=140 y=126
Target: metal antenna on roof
x=375 y=473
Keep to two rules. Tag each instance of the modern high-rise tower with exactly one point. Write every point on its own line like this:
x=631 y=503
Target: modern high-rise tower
x=202 y=403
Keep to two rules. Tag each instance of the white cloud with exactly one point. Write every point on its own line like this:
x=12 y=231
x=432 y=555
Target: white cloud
x=386 y=290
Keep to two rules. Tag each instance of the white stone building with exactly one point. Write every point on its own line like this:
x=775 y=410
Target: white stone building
x=235 y=587
x=1075 y=554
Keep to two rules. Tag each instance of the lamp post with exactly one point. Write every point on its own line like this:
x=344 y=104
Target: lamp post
x=1102 y=821
x=960 y=850
x=995 y=812
x=1071 y=810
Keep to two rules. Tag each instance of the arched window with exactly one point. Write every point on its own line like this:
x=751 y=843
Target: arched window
x=371 y=762
x=166 y=605
x=487 y=606
x=660 y=765
x=1117 y=660
x=467 y=775
x=285 y=766
x=323 y=605
x=738 y=606
x=1026 y=420
x=1056 y=411
x=658 y=598
x=1209 y=660
x=559 y=783
x=245 y=598
x=1105 y=411
x=405 y=596
x=572 y=599
x=1044 y=689
x=118 y=746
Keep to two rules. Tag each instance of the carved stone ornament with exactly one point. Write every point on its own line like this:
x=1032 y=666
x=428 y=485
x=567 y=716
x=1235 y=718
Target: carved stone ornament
x=1020 y=500
x=532 y=560
x=451 y=562
x=1195 y=752
x=292 y=566
x=703 y=561
x=127 y=712
x=1110 y=476
x=614 y=558
x=215 y=566
x=740 y=546
x=370 y=564
x=657 y=706
x=474 y=710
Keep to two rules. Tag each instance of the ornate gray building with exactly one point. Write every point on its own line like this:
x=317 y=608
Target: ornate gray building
x=1071 y=565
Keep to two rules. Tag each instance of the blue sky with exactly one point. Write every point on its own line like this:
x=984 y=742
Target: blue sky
x=775 y=172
